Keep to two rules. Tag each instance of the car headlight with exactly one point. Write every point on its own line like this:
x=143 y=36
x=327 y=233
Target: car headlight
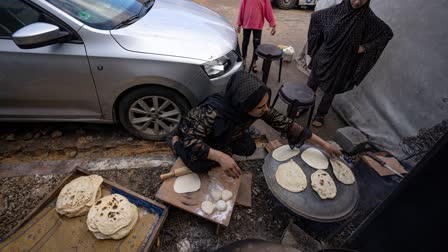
x=217 y=67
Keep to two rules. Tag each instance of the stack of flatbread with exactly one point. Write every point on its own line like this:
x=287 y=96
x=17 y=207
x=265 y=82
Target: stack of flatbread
x=112 y=217
x=76 y=198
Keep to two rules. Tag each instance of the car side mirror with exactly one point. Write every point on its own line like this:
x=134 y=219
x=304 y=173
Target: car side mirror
x=38 y=35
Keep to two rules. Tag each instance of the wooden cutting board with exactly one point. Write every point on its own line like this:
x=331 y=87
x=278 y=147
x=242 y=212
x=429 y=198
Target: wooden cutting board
x=383 y=171
x=191 y=202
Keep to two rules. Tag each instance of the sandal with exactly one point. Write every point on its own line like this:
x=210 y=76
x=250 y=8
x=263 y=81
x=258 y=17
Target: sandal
x=318 y=121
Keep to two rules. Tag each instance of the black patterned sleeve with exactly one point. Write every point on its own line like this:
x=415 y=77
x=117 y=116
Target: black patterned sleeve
x=315 y=37
x=277 y=120
x=195 y=128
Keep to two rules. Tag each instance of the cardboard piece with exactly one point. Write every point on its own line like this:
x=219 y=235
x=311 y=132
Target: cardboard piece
x=272 y=145
x=383 y=171
x=244 y=197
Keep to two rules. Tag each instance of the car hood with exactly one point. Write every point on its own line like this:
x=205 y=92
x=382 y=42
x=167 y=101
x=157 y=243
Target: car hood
x=179 y=28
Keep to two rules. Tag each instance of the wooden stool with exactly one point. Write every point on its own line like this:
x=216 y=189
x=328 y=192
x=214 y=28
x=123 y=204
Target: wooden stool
x=297 y=96
x=268 y=53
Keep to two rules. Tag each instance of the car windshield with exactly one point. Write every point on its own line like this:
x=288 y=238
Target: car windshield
x=104 y=14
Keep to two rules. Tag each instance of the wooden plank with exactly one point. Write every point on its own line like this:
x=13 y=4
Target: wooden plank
x=191 y=202
x=383 y=171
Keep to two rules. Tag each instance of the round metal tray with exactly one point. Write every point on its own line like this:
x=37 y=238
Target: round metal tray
x=307 y=203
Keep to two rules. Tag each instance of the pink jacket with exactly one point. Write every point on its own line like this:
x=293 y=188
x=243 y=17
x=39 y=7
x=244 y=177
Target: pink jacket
x=253 y=13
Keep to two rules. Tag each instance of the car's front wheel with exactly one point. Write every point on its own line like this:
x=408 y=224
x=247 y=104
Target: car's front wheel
x=151 y=113
x=286 y=4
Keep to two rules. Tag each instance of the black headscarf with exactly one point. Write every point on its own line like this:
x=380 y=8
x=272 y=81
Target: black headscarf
x=334 y=37
x=242 y=94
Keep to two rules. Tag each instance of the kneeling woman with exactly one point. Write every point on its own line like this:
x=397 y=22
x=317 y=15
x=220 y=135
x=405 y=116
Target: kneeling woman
x=211 y=132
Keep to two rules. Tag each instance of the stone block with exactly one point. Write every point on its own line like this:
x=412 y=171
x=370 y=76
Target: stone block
x=351 y=140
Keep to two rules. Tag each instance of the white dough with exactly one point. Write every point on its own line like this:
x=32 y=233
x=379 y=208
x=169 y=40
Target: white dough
x=323 y=184
x=314 y=158
x=221 y=205
x=187 y=183
x=207 y=207
x=284 y=153
x=226 y=195
x=342 y=172
x=216 y=195
x=291 y=177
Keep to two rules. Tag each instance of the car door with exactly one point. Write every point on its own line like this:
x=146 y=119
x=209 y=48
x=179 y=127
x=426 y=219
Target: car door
x=50 y=82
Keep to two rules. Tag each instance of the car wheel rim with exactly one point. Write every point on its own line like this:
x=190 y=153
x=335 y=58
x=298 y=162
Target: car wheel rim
x=154 y=115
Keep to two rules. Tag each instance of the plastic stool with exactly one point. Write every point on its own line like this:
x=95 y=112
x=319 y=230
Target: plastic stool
x=268 y=53
x=297 y=96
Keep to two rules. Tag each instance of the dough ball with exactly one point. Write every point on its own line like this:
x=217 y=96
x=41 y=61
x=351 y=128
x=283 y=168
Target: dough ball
x=221 y=205
x=207 y=207
x=216 y=195
x=226 y=195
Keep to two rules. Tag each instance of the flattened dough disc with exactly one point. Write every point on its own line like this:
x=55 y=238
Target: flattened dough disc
x=187 y=183
x=284 y=153
x=291 y=177
x=315 y=158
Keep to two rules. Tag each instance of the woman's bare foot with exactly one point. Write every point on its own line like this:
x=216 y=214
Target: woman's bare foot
x=174 y=140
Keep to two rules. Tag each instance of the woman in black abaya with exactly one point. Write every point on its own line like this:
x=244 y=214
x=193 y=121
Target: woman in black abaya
x=344 y=42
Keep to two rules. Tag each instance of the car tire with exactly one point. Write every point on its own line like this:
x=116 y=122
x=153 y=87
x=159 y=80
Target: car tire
x=286 y=4
x=151 y=113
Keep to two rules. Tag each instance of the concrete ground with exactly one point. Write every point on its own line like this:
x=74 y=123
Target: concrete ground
x=292 y=29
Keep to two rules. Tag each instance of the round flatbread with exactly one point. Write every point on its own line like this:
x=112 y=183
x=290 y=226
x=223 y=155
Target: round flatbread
x=110 y=214
x=291 y=177
x=342 y=172
x=284 y=153
x=187 y=183
x=123 y=231
x=315 y=158
x=323 y=184
x=75 y=195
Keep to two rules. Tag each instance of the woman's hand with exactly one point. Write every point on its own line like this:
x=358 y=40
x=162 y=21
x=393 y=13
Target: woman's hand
x=332 y=149
x=238 y=29
x=229 y=165
x=273 y=30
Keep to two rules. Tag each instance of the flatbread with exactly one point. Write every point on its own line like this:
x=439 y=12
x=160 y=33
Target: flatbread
x=85 y=208
x=284 y=153
x=110 y=214
x=342 y=172
x=123 y=231
x=323 y=184
x=187 y=183
x=291 y=177
x=315 y=158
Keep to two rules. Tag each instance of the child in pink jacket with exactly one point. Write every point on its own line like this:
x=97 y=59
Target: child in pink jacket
x=251 y=18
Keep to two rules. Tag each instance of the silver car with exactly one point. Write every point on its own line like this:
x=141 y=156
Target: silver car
x=139 y=63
